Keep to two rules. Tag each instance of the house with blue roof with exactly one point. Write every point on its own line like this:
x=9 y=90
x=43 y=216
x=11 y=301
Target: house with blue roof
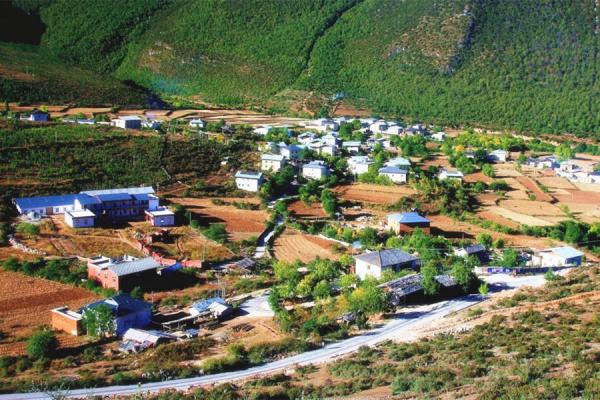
x=565 y=256
x=315 y=170
x=85 y=208
x=127 y=312
x=216 y=306
x=407 y=222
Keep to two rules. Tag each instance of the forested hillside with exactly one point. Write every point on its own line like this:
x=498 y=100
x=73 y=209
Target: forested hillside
x=529 y=64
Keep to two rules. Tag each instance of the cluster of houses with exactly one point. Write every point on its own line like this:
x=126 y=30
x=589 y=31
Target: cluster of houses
x=138 y=325
x=85 y=209
x=568 y=169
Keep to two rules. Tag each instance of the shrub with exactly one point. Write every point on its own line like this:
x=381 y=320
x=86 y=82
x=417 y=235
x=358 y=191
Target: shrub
x=42 y=344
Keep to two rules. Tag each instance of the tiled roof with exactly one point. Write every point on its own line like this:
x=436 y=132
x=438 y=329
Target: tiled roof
x=388 y=257
x=132 y=267
x=392 y=170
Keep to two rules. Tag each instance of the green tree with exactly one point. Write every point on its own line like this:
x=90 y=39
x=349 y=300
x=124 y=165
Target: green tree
x=510 y=258
x=572 y=232
x=99 y=321
x=485 y=239
x=322 y=290
x=41 y=344
x=488 y=170
x=462 y=272
x=367 y=298
x=30 y=230
x=329 y=202
x=484 y=289
x=430 y=285
x=564 y=152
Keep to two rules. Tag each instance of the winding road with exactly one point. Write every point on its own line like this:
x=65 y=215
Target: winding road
x=403 y=326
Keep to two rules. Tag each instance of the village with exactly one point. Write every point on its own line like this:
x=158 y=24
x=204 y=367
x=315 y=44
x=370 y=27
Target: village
x=330 y=224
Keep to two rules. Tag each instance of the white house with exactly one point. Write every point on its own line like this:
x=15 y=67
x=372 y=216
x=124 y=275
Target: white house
x=160 y=217
x=80 y=218
x=400 y=162
x=543 y=162
x=498 y=155
x=330 y=139
x=197 y=123
x=352 y=146
x=359 y=164
x=263 y=130
x=395 y=174
x=127 y=122
x=306 y=137
x=395 y=130
x=323 y=125
x=290 y=152
x=378 y=127
x=448 y=174
x=38 y=116
x=439 y=136
x=376 y=262
x=315 y=170
x=557 y=257
x=271 y=162
x=249 y=181
x=151 y=124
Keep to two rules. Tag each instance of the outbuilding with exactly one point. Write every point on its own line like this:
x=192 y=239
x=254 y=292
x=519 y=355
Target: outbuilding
x=408 y=222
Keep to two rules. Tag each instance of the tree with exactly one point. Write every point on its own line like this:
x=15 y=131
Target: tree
x=321 y=290
x=99 y=321
x=329 y=202
x=485 y=240
x=368 y=237
x=572 y=232
x=368 y=298
x=483 y=289
x=42 y=344
x=430 y=285
x=462 y=272
x=564 y=152
x=488 y=170
x=510 y=258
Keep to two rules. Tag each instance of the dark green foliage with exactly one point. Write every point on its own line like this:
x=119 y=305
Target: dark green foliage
x=65 y=271
x=216 y=232
x=77 y=157
x=42 y=344
x=44 y=78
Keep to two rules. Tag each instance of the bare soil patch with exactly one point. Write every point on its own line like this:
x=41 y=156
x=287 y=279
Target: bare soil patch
x=533 y=187
x=240 y=224
x=292 y=245
x=25 y=304
x=377 y=194
x=302 y=210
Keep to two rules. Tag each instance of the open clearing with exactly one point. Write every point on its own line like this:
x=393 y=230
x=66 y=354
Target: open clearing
x=377 y=194
x=25 y=303
x=292 y=245
x=240 y=224
x=304 y=211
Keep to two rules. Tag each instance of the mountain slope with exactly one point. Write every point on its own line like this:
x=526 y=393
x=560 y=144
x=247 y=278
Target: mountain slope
x=528 y=65
x=29 y=75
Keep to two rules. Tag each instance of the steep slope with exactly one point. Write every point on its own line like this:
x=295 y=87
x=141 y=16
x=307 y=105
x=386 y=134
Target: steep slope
x=229 y=51
x=29 y=75
x=525 y=64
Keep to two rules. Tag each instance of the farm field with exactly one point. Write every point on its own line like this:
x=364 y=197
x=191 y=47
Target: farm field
x=240 y=224
x=528 y=212
x=304 y=211
x=25 y=303
x=292 y=245
x=533 y=187
x=377 y=194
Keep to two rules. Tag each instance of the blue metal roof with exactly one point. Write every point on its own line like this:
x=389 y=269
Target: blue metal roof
x=248 y=174
x=121 y=304
x=384 y=258
x=203 y=305
x=114 y=196
x=25 y=203
x=130 y=190
x=392 y=170
x=407 y=218
x=566 y=252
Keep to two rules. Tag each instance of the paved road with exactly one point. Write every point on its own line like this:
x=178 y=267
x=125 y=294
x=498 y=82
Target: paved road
x=401 y=327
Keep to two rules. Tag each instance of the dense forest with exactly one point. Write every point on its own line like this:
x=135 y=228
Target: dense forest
x=529 y=65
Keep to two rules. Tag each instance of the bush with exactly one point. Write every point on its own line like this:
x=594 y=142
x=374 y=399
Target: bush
x=42 y=344
x=216 y=232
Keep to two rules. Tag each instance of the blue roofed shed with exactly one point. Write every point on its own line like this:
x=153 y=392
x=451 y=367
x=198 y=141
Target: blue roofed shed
x=407 y=222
